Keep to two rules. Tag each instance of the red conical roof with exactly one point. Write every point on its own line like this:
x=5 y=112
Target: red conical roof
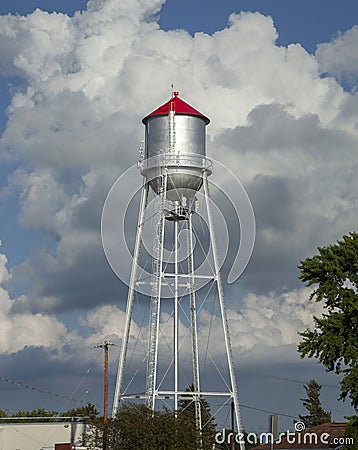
x=177 y=105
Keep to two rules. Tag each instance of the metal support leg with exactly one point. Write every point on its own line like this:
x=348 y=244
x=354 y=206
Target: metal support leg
x=194 y=328
x=130 y=298
x=225 y=322
x=175 y=318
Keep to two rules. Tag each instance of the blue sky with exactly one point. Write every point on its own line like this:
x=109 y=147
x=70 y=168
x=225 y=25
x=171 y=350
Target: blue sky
x=306 y=22
x=72 y=95
x=23 y=8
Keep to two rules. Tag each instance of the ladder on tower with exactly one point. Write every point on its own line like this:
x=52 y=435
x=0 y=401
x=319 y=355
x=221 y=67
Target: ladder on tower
x=157 y=275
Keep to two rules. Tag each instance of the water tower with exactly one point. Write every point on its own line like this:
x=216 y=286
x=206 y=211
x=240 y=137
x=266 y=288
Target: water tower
x=175 y=170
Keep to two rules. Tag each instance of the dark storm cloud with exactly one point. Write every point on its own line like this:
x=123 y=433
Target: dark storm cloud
x=82 y=283
x=299 y=177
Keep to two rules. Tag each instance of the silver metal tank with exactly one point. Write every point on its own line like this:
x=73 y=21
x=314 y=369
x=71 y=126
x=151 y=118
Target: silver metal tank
x=175 y=143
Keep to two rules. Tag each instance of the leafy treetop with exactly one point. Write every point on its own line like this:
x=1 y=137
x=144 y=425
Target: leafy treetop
x=334 y=340
x=317 y=415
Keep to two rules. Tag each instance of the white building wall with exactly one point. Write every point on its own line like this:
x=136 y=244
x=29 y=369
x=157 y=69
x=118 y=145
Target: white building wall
x=36 y=436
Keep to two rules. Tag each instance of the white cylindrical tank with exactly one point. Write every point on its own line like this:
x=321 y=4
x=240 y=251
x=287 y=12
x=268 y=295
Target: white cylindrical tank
x=175 y=142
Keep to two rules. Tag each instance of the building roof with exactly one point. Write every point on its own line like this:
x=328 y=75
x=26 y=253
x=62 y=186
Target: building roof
x=325 y=436
x=177 y=105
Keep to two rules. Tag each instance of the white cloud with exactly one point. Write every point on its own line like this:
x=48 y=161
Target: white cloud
x=26 y=330
x=74 y=126
x=262 y=322
x=273 y=320
x=340 y=57
x=106 y=321
x=135 y=9
x=4 y=273
x=21 y=330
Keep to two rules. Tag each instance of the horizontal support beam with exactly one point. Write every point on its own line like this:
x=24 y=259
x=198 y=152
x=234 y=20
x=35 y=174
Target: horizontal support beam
x=183 y=395
x=186 y=275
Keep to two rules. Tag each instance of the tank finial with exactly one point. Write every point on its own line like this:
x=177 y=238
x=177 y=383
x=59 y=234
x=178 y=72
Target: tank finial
x=174 y=93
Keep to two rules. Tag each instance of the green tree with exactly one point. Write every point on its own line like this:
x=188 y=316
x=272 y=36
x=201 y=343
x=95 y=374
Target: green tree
x=89 y=411
x=35 y=413
x=317 y=415
x=334 y=340
x=136 y=427
x=186 y=413
x=352 y=433
x=3 y=414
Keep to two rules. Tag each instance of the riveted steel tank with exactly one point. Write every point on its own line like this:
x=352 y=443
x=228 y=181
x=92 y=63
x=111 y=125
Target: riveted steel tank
x=175 y=144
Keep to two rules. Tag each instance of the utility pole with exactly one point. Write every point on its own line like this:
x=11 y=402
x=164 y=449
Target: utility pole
x=273 y=428
x=105 y=346
x=232 y=425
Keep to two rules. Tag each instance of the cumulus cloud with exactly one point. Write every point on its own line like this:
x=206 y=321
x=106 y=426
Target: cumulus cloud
x=21 y=330
x=273 y=320
x=39 y=348
x=4 y=273
x=74 y=125
x=301 y=184
x=262 y=323
x=340 y=57
x=106 y=321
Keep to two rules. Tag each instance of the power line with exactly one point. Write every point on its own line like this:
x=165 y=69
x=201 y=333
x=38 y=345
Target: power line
x=268 y=411
x=43 y=391
x=69 y=397
x=292 y=380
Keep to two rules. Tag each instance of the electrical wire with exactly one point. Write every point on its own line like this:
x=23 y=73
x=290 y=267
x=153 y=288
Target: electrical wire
x=43 y=391
x=67 y=397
